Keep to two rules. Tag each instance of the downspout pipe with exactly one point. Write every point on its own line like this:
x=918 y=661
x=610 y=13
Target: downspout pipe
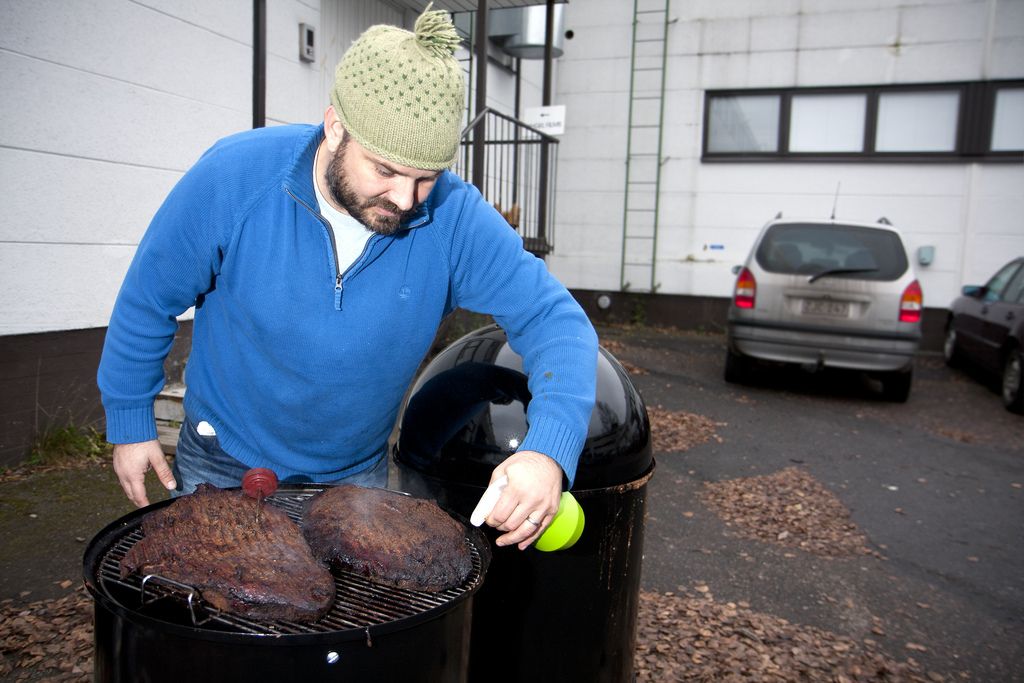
x=480 y=133
x=544 y=180
x=259 y=63
x=549 y=41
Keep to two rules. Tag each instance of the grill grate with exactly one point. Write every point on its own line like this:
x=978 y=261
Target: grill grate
x=359 y=604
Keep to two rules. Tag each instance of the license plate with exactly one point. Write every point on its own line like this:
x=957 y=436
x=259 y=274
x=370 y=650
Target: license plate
x=828 y=307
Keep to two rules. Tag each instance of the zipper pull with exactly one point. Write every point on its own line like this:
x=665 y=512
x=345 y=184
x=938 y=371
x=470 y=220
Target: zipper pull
x=337 y=292
x=337 y=282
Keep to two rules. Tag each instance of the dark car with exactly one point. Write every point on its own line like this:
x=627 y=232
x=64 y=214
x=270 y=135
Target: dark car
x=986 y=328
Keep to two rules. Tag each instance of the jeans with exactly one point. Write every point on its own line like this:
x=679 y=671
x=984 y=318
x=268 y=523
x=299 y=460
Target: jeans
x=200 y=459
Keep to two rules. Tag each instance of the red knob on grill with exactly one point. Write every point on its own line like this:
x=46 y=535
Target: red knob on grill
x=259 y=482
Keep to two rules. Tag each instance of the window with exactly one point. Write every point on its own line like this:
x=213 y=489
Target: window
x=917 y=121
x=743 y=124
x=1014 y=292
x=972 y=121
x=1008 y=123
x=826 y=123
x=995 y=286
x=847 y=251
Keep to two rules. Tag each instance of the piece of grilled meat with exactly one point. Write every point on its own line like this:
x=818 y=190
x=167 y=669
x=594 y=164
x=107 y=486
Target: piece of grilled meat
x=211 y=540
x=391 y=538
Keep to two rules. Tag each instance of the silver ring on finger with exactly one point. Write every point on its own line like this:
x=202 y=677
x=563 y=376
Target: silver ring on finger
x=532 y=522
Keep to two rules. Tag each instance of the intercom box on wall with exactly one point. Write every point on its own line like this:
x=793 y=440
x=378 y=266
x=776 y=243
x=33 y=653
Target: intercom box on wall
x=307 y=47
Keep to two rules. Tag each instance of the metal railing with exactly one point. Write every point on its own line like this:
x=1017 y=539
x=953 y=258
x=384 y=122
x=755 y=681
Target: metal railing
x=514 y=169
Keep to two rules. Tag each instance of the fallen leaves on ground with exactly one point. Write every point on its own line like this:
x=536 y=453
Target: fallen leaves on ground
x=683 y=637
x=25 y=471
x=48 y=639
x=680 y=637
x=956 y=434
x=613 y=346
x=680 y=431
x=788 y=507
x=633 y=369
x=616 y=348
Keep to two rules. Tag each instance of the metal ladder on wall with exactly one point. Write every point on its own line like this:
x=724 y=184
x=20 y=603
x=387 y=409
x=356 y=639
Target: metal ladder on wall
x=643 y=146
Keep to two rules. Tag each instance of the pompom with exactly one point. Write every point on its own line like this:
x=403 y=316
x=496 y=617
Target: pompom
x=435 y=32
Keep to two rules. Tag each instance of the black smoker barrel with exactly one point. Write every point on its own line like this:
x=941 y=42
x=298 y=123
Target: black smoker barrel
x=568 y=615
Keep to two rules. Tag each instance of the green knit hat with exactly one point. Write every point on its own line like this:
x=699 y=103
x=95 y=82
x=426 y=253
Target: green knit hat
x=401 y=95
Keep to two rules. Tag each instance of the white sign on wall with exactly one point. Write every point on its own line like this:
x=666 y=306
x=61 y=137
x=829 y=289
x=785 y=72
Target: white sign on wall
x=550 y=120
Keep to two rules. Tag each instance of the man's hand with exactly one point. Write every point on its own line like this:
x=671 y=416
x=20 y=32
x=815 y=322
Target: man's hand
x=529 y=501
x=133 y=460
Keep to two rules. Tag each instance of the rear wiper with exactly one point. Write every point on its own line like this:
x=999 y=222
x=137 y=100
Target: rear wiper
x=839 y=271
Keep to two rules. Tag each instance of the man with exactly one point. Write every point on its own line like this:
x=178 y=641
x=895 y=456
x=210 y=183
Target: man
x=320 y=261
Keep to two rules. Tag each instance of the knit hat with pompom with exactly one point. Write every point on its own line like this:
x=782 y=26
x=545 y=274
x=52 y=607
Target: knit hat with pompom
x=401 y=95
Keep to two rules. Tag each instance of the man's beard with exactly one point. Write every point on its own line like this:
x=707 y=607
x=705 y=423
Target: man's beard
x=346 y=197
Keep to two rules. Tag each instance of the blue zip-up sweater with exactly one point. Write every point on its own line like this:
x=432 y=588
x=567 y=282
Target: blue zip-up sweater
x=301 y=368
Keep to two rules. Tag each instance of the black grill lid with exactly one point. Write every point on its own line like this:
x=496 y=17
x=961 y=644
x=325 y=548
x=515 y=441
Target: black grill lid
x=467 y=412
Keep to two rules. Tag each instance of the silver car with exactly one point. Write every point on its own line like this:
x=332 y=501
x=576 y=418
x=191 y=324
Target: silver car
x=827 y=293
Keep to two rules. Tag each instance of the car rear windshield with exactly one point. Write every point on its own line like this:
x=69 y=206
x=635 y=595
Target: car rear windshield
x=830 y=250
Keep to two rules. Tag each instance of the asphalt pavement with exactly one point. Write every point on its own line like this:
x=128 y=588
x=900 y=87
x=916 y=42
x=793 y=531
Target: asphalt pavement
x=935 y=484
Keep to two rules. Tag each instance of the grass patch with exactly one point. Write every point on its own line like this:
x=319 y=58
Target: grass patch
x=67 y=446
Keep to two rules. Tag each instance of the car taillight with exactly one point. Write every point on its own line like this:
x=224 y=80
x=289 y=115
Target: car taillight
x=911 y=303
x=746 y=290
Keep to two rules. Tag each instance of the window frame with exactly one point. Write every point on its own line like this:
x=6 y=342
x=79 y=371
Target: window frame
x=975 y=117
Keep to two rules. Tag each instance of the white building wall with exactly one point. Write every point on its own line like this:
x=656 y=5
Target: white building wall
x=593 y=83
x=93 y=93
x=969 y=212
x=106 y=104
x=342 y=22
